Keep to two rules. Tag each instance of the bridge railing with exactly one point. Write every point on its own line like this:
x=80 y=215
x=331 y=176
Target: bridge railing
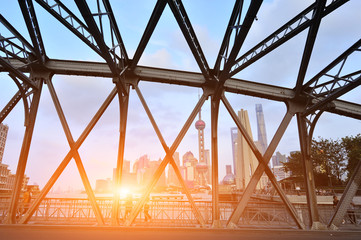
x=169 y=212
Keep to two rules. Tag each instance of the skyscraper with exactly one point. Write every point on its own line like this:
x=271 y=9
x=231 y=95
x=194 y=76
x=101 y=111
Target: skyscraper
x=3 y=135
x=261 y=129
x=7 y=179
x=172 y=177
x=246 y=162
x=234 y=134
x=202 y=167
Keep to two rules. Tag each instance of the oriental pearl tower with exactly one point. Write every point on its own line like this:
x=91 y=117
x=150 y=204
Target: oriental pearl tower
x=202 y=168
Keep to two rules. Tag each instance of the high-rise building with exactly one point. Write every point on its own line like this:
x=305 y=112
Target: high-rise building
x=234 y=134
x=172 y=177
x=229 y=179
x=202 y=166
x=7 y=179
x=261 y=129
x=279 y=173
x=189 y=168
x=3 y=135
x=207 y=158
x=145 y=170
x=278 y=159
x=246 y=162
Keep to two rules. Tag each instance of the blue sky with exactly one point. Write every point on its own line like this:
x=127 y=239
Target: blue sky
x=171 y=105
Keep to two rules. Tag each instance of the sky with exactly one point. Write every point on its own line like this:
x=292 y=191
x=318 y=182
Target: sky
x=171 y=105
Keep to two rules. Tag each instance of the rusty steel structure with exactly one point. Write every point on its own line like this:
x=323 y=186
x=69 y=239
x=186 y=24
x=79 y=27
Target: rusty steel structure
x=29 y=66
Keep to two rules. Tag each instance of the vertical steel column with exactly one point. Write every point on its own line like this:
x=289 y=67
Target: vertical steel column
x=346 y=199
x=305 y=143
x=123 y=110
x=77 y=158
x=214 y=135
x=23 y=158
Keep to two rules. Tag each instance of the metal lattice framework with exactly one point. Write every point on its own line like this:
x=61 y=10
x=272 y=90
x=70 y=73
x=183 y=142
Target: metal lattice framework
x=306 y=101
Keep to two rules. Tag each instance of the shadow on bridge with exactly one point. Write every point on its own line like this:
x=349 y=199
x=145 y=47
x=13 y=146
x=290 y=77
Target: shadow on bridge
x=40 y=232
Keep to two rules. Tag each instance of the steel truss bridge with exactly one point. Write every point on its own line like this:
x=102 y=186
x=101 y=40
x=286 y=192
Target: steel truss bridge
x=29 y=66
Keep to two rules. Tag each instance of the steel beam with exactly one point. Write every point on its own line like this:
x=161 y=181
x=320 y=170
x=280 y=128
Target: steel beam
x=70 y=21
x=172 y=162
x=232 y=24
x=166 y=160
x=310 y=42
x=115 y=29
x=343 y=57
x=94 y=30
x=10 y=105
x=319 y=103
x=305 y=143
x=216 y=218
x=240 y=38
x=123 y=119
x=323 y=92
x=31 y=21
x=23 y=158
x=77 y=158
x=262 y=166
x=18 y=36
x=185 y=25
x=11 y=69
x=346 y=199
x=280 y=36
x=68 y=157
x=272 y=92
x=152 y=23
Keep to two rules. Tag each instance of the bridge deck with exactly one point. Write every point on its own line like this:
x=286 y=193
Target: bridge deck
x=40 y=232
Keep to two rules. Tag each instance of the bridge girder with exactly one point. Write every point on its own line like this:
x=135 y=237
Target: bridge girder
x=126 y=72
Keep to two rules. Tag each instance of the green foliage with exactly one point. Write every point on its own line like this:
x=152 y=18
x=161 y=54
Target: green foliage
x=329 y=159
x=294 y=164
x=352 y=146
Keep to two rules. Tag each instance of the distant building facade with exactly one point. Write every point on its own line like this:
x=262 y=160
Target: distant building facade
x=172 y=177
x=244 y=160
x=277 y=168
x=7 y=179
x=229 y=179
x=189 y=168
x=203 y=167
x=3 y=136
x=246 y=163
x=145 y=170
x=279 y=173
x=278 y=159
x=261 y=130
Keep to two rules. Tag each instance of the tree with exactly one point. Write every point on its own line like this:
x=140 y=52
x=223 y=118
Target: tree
x=328 y=159
x=294 y=164
x=352 y=147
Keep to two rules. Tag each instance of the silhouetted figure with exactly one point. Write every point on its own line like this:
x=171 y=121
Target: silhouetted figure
x=26 y=200
x=128 y=206
x=335 y=201
x=146 y=211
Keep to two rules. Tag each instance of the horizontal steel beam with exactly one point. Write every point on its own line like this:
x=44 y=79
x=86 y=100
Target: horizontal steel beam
x=191 y=79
